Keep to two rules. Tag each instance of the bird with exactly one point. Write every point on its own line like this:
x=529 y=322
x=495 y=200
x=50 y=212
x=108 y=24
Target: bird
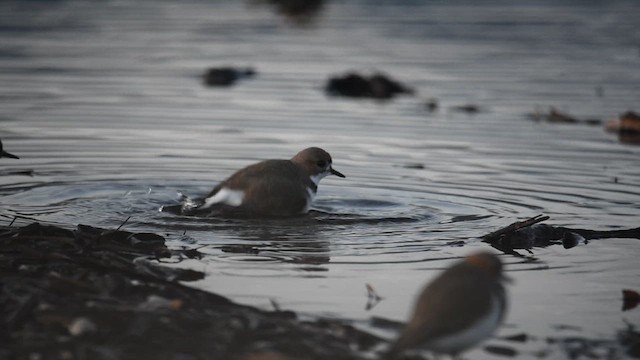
x=270 y=188
x=6 y=154
x=460 y=308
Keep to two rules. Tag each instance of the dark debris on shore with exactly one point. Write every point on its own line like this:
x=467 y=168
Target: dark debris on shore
x=92 y=293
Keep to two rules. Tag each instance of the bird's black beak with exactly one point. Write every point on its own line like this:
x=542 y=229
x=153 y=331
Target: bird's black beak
x=8 y=155
x=336 y=172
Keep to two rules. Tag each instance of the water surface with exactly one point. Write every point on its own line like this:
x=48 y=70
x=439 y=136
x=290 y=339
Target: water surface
x=103 y=101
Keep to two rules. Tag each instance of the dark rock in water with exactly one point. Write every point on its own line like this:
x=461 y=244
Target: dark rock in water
x=352 y=85
x=300 y=11
x=377 y=86
x=226 y=76
x=416 y=166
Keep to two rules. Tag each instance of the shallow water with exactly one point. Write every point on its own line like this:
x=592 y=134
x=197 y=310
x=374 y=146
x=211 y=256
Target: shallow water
x=103 y=101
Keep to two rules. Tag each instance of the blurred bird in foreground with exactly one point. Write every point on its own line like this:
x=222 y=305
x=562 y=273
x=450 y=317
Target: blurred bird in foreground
x=460 y=308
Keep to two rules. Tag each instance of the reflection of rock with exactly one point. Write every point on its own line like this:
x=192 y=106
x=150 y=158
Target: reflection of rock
x=627 y=126
x=226 y=76
x=377 y=86
x=530 y=233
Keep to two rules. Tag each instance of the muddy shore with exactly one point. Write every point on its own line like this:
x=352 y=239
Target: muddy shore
x=93 y=293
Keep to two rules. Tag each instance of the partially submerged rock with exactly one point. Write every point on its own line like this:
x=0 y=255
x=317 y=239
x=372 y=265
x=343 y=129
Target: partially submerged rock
x=470 y=109
x=226 y=76
x=299 y=11
x=376 y=86
x=92 y=293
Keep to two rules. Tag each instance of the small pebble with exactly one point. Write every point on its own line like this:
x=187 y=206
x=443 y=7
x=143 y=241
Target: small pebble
x=81 y=326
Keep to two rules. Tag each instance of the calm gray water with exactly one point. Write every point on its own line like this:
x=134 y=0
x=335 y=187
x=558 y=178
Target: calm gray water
x=103 y=101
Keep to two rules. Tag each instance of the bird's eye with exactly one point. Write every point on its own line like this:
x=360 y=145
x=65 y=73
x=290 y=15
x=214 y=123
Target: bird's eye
x=321 y=163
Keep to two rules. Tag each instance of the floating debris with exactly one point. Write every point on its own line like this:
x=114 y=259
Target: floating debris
x=530 y=233
x=627 y=126
x=6 y=154
x=376 y=86
x=227 y=76
x=372 y=297
x=470 y=109
x=431 y=105
x=559 y=117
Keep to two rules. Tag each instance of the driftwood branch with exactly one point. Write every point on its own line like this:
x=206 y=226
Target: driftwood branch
x=496 y=235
